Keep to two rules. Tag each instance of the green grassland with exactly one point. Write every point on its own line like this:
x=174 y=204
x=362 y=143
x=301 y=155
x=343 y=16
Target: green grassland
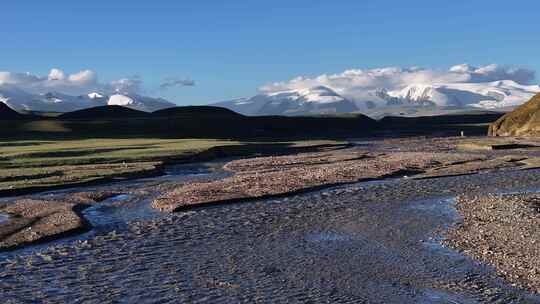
x=46 y=152
x=37 y=154
x=33 y=163
x=36 y=165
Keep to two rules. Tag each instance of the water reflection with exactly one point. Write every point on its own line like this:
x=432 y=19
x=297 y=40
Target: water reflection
x=3 y=218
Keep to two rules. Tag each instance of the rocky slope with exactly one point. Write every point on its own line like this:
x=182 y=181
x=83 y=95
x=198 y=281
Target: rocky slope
x=523 y=121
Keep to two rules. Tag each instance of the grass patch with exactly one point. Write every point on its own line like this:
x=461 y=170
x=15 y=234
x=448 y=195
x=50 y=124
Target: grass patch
x=28 y=164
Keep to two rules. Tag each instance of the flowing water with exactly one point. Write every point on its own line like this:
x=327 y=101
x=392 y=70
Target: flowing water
x=3 y=218
x=361 y=243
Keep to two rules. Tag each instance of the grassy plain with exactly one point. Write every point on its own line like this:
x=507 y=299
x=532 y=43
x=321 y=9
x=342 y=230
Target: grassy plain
x=40 y=153
x=27 y=164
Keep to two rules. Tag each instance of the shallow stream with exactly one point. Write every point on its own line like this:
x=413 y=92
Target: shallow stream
x=375 y=242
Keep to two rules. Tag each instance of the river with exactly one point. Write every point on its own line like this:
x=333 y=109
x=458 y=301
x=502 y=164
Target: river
x=375 y=242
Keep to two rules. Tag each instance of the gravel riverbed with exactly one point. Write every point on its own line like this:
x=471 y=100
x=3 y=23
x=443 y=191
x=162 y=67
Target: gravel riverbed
x=368 y=242
x=502 y=230
x=361 y=243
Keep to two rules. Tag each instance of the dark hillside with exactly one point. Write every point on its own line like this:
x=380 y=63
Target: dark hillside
x=7 y=113
x=104 y=112
x=442 y=125
x=103 y=123
x=195 y=110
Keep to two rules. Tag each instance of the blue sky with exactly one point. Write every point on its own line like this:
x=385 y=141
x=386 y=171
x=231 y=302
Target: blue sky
x=230 y=48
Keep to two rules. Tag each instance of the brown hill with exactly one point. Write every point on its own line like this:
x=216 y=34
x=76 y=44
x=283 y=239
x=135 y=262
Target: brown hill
x=523 y=121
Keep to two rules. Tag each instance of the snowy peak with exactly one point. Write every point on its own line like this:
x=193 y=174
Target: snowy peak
x=324 y=100
x=95 y=95
x=316 y=100
x=59 y=102
x=320 y=94
x=138 y=102
x=489 y=95
x=316 y=94
x=416 y=93
x=120 y=100
x=419 y=95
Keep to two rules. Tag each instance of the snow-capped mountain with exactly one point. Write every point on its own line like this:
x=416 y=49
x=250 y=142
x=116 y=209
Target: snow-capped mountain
x=489 y=95
x=316 y=100
x=494 y=95
x=57 y=102
x=139 y=102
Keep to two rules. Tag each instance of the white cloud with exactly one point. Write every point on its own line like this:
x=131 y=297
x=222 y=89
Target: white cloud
x=56 y=74
x=86 y=77
x=127 y=85
x=176 y=82
x=80 y=83
x=9 y=78
x=358 y=84
x=462 y=68
x=495 y=72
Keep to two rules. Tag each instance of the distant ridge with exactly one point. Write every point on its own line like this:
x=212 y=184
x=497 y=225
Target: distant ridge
x=195 y=110
x=454 y=118
x=104 y=112
x=7 y=113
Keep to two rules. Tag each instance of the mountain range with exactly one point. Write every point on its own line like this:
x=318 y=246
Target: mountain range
x=377 y=102
x=316 y=100
x=23 y=101
x=489 y=95
x=495 y=95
